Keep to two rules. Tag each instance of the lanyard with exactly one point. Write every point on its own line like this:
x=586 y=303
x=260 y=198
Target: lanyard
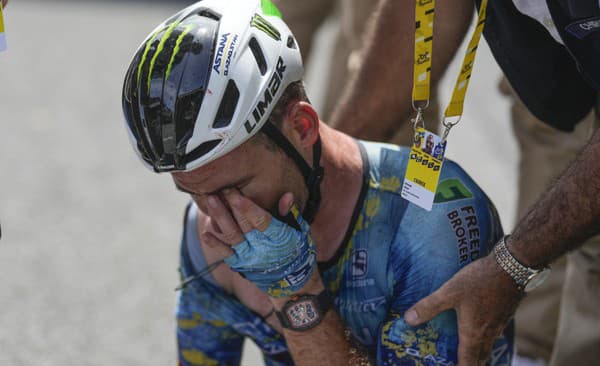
x=424 y=14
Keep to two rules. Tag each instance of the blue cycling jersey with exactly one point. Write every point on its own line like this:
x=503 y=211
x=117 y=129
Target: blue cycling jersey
x=394 y=254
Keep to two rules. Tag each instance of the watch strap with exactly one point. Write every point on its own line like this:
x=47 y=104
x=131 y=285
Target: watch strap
x=520 y=273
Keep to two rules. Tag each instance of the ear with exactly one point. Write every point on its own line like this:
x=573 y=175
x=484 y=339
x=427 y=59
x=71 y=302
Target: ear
x=303 y=123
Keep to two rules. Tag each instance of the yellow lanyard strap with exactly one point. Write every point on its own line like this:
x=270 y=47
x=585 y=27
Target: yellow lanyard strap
x=423 y=49
x=455 y=108
x=424 y=14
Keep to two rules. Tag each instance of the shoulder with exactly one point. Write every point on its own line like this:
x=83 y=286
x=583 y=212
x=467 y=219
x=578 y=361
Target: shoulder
x=456 y=189
x=461 y=227
x=387 y=164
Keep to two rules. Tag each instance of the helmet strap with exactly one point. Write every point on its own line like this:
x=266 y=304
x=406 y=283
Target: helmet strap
x=312 y=176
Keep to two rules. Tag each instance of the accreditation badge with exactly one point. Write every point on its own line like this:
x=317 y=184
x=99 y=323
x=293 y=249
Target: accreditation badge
x=424 y=168
x=2 y=34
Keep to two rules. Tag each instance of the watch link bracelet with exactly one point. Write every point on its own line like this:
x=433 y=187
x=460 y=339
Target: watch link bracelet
x=525 y=277
x=303 y=312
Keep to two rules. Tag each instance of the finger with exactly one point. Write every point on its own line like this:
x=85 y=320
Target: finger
x=486 y=351
x=468 y=352
x=430 y=306
x=243 y=223
x=248 y=212
x=285 y=203
x=230 y=232
x=212 y=241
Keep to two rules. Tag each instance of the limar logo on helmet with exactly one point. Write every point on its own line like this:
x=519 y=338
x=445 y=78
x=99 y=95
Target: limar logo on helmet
x=274 y=84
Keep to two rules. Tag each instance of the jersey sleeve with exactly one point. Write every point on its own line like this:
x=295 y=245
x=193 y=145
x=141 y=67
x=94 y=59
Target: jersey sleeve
x=201 y=340
x=429 y=248
x=204 y=336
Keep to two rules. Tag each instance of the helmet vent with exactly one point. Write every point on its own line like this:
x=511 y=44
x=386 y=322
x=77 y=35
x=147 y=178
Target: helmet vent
x=209 y=14
x=202 y=150
x=291 y=43
x=228 y=105
x=258 y=55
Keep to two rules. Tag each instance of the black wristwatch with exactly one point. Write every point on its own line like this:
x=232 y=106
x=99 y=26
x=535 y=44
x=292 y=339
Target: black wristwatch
x=303 y=312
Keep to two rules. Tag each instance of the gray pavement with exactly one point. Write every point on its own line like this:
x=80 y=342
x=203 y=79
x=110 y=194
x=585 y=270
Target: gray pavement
x=88 y=255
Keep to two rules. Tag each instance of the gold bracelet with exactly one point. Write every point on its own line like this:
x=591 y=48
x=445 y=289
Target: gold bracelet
x=356 y=358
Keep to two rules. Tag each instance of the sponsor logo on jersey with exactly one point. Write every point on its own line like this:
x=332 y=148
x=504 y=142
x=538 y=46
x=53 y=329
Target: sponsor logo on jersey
x=359 y=263
x=466 y=229
x=366 y=282
x=452 y=190
x=366 y=306
x=300 y=275
x=274 y=84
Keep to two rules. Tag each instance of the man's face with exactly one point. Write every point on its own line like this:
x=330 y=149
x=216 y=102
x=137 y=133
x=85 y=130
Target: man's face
x=258 y=172
x=429 y=141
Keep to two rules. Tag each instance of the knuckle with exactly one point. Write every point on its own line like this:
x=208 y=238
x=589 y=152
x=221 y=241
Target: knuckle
x=243 y=222
x=229 y=237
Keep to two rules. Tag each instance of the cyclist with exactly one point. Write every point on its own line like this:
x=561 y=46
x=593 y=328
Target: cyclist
x=297 y=236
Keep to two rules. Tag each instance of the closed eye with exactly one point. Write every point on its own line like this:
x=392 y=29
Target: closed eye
x=181 y=189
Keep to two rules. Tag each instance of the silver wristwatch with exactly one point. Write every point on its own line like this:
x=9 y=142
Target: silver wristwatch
x=526 y=278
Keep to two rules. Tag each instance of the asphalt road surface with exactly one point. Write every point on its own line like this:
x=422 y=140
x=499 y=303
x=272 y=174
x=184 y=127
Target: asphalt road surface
x=88 y=255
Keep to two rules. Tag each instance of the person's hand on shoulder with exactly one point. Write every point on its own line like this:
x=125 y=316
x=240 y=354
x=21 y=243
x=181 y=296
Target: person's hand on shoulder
x=484 y=298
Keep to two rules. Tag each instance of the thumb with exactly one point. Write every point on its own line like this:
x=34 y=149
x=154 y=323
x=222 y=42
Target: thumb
x=427 y=308
x=285 y=203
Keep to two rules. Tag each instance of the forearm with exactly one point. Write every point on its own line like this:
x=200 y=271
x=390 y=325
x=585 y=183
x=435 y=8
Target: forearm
x=379 y=97
x=324 y=344
x=566 y=215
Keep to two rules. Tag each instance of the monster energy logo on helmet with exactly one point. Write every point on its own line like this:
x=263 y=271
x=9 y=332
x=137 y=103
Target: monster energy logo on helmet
x=262 y=24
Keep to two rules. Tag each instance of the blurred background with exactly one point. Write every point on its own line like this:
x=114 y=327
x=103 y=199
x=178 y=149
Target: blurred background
x=90 y=239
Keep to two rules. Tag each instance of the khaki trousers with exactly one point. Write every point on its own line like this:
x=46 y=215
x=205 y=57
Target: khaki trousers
x=560 y=321
x=304 y=18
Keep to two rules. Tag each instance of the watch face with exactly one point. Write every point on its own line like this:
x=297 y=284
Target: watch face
x=302 y=314
x=536 y=279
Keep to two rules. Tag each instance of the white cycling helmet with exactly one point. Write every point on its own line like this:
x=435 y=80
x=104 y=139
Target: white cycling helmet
x=206 y=80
